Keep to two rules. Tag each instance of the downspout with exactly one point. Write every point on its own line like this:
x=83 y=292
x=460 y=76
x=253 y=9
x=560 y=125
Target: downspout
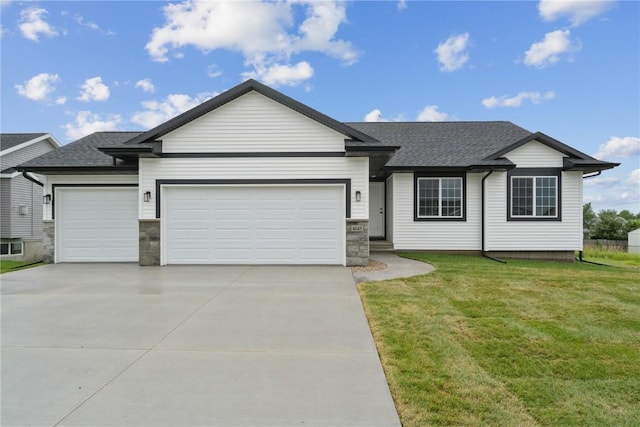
x=32 y=179
x=482 y=227
x=580 y=258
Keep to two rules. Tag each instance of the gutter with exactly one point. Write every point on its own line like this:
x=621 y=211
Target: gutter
x=32 y=179
x=482 y=221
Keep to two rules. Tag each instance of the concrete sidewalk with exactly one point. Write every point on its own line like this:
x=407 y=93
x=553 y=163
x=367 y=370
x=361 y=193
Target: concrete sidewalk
x=123 y=345
x=397 y=267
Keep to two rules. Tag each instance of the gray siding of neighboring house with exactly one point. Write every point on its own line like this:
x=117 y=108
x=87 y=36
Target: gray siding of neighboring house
x=25 y=193
x=20 y=156
x=5 y=207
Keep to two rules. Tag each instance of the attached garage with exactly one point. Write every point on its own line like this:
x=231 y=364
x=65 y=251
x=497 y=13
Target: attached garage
x=96 y=224
x=248 y=224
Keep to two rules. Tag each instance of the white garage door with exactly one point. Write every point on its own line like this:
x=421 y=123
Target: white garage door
x=254 y=225
x=96 y=224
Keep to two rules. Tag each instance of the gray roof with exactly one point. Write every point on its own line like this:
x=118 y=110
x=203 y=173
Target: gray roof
x=9 y=140
x=82 y=153
x=444 y=144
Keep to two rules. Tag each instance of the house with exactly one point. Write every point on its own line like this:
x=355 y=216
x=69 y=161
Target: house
x=255 y=177
x=21 y=196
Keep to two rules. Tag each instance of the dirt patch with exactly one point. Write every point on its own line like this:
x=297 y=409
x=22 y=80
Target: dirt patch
x=372 y=266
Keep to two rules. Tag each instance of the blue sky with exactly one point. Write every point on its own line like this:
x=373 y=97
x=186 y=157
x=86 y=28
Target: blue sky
x=570 y=69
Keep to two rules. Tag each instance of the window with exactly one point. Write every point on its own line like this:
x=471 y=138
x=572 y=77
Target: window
x=439 y=198
x=534 y=197
x=11 y=248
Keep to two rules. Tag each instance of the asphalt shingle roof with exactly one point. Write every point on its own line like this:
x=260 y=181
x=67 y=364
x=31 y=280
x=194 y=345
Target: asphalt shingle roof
x=83 y=152
x=443 y=144
x=9 y=140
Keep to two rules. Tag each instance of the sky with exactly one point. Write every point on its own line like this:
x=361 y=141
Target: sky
x=569 y=69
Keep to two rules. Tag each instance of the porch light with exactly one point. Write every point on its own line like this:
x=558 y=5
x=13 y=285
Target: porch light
x=147 y=196
x=46 y=199
x=358 y=196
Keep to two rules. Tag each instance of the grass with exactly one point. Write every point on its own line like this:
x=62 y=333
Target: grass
x=7 y=265
x=520 y=344
x=612 y=256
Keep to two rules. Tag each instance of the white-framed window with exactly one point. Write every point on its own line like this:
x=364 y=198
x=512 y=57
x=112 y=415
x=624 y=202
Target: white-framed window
x=439 y=198
x=534 y=197
x=11 y=248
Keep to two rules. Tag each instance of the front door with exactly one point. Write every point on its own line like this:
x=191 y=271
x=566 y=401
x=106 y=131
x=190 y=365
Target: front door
x=376 y=210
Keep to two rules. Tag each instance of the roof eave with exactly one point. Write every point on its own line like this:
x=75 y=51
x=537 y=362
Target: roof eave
x=80 y=170
x=587 y=167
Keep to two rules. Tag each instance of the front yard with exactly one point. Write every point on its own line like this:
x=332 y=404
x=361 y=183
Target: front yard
x=524 y=343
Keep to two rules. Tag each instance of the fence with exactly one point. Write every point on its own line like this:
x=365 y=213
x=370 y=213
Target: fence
x=620 y=245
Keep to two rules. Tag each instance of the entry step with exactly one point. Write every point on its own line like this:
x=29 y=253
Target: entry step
x=380 y=246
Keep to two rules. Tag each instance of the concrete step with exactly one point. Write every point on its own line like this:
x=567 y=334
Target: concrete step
x=380 y=246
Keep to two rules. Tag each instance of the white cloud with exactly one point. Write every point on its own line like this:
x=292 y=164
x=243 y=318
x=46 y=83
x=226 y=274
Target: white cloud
x=548 y=51
x=374 y=116
x=94 y=90
x=278 y=75
x=451 y=53
x=213 y=71
x=39 y=87
x=516 y=101
x=32 y=24
x=146 y=85
x=601 y=181
x=578 y=11
x=87 y=123
x=157 y=112
x=91 y=25
x=61 y=100
x=430 y=113
x=634 y=178
x=264 y=32
x=402 y=4
x=619 y=147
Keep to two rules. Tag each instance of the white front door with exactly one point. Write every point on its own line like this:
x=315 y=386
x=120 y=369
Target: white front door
x=254 y=224
x=376 y=209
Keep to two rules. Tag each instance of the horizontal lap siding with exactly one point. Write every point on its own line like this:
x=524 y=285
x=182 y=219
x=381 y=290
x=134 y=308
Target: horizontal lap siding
x=24 y=193
x=85 y=180
x=535 y=155
x=22 y=155
x=252 y=123
x=389 y=209
x=5 y=207
x=565 y=235
x=355 y=169
x=434 y=235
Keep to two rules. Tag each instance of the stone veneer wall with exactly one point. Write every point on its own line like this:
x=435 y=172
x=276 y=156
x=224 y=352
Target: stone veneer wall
x=48 y=241
x=357 y=242
x=149 y=241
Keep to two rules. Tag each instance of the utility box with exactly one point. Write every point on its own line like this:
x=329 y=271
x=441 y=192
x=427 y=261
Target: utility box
x=634 y=241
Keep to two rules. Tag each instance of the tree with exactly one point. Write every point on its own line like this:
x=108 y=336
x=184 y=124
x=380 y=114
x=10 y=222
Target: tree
x=589 y=219
x=610 y=226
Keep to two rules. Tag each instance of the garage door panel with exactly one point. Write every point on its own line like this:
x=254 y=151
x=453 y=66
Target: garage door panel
x=257 y=225
x=96 y=225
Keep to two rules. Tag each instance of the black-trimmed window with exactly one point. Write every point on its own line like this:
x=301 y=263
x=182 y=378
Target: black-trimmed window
x=11 y=248
x=534 y=194
x=439 y=198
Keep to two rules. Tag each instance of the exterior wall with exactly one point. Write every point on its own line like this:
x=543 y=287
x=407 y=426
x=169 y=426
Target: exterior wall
x=149 y=249
x=84 y=180
x=389 y=209
x=5 y=207
x=27 y=225
x=48 y=241
x=354 y=168
x=357 y=249
x=253 y=123
x=22 y=155
x=503 y=235
x=434 y=235
x=535 y=155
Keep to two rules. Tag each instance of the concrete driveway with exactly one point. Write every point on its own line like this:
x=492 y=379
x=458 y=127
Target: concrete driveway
x=123 y=345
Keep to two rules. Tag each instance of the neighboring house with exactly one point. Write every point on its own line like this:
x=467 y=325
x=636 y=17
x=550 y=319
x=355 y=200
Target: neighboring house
x=21 y=197
x=255 y=177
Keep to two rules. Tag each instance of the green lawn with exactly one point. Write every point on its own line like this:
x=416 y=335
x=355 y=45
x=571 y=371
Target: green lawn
x=6 y=265
x=520 y=344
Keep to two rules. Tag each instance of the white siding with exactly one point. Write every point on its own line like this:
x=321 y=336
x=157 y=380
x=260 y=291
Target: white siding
x=535 y=155
x=85 y=179
x=354 y=168
x=503 y=235
x=28 y=225
x=434 y=235
x=252 y=123
x=389 y=208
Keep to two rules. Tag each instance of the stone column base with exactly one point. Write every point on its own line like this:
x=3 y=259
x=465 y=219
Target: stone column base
x=149 y=241
x=357 y=242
